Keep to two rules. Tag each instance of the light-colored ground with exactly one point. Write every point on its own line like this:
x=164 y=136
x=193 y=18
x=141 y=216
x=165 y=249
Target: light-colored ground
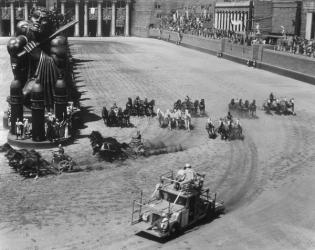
x=267 y=180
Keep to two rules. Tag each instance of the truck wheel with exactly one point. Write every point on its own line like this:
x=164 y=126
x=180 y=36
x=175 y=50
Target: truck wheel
x=175 y=230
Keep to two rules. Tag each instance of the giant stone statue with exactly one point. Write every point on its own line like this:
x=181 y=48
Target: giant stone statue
x=39 y=62
x=46 y=61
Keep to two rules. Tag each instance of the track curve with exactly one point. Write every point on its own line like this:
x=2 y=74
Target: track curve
x=277 y=152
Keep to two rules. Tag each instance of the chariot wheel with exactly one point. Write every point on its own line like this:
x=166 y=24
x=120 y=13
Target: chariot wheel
x=64 y=165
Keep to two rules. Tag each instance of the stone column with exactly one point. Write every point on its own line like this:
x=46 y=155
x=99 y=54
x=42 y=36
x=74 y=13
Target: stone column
x=12 y=30
x=76 y=26
x=113 y=22
x=62 y=7
x=26 y=9
x=99 y=18
x=223 y=20
x=308 y=25
x=216 y=20
x=0 y=21
x=86 y=18
x=228 y=20
x=232 y=19
x=239 y=19
x=245 y=20
x=127 y=23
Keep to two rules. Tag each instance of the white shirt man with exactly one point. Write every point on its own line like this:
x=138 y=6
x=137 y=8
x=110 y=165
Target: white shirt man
x=181 y=174
x=190 y=173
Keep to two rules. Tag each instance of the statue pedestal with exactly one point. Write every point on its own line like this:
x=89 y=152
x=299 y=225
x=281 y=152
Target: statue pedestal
x=29 y=143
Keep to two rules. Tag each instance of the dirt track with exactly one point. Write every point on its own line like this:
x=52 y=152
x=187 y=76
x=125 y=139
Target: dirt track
x=267 y=180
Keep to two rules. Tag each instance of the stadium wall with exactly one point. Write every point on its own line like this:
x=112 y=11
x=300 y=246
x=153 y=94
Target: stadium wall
x=294 y=66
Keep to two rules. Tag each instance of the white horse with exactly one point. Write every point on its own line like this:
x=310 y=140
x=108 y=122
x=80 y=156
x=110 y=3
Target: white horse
x=177 y=117
x=170 y=117
x=160 y=116
x=187 y=119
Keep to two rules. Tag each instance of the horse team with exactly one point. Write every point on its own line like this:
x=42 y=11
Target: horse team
x=243 y=109
x=174 y=119
x=117 y=117
x=280 y=106
x=228 y=128
x=180 y=116
x=194 y=108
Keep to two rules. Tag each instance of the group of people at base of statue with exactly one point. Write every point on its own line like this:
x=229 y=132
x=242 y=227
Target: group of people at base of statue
x=56 y=129
x=187 y=178
x=23 y=128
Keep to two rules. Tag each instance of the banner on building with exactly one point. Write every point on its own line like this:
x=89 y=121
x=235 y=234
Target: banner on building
x=107 y=14
x=19 y=13
x=5 y=13
x=120 y=17
x=93 y=13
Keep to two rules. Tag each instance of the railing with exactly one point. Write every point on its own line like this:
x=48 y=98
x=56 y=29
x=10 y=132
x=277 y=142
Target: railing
x=135 y=211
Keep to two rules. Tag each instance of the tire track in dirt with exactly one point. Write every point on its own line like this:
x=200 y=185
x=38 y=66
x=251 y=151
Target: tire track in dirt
x=166 y=136
x=96 y=205
x=237 y=183
x=297 y=150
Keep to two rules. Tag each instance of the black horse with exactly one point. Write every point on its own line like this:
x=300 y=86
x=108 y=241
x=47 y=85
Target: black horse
x=116 y=119
x=105 y=115
x=108 y=148
x=28 y=163
x=140 y=107
x=202 y=107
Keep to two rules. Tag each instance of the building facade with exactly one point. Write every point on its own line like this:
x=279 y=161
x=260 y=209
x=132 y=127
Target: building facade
x=233 y=16
x=271 y=17
x=134 y=17
x=308 y=19
x=96 y=17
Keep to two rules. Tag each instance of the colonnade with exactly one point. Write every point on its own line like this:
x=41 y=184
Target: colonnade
x=25 y=9
x=99 y=17
x=224 y=20
x=86 y=3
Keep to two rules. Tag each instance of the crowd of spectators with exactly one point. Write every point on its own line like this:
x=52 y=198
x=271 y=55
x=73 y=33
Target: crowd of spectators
x=191 y=23
x=202 y=25
x=296 y=45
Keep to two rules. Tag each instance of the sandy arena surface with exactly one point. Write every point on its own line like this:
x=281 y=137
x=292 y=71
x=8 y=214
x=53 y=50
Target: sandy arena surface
x=267 y=181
